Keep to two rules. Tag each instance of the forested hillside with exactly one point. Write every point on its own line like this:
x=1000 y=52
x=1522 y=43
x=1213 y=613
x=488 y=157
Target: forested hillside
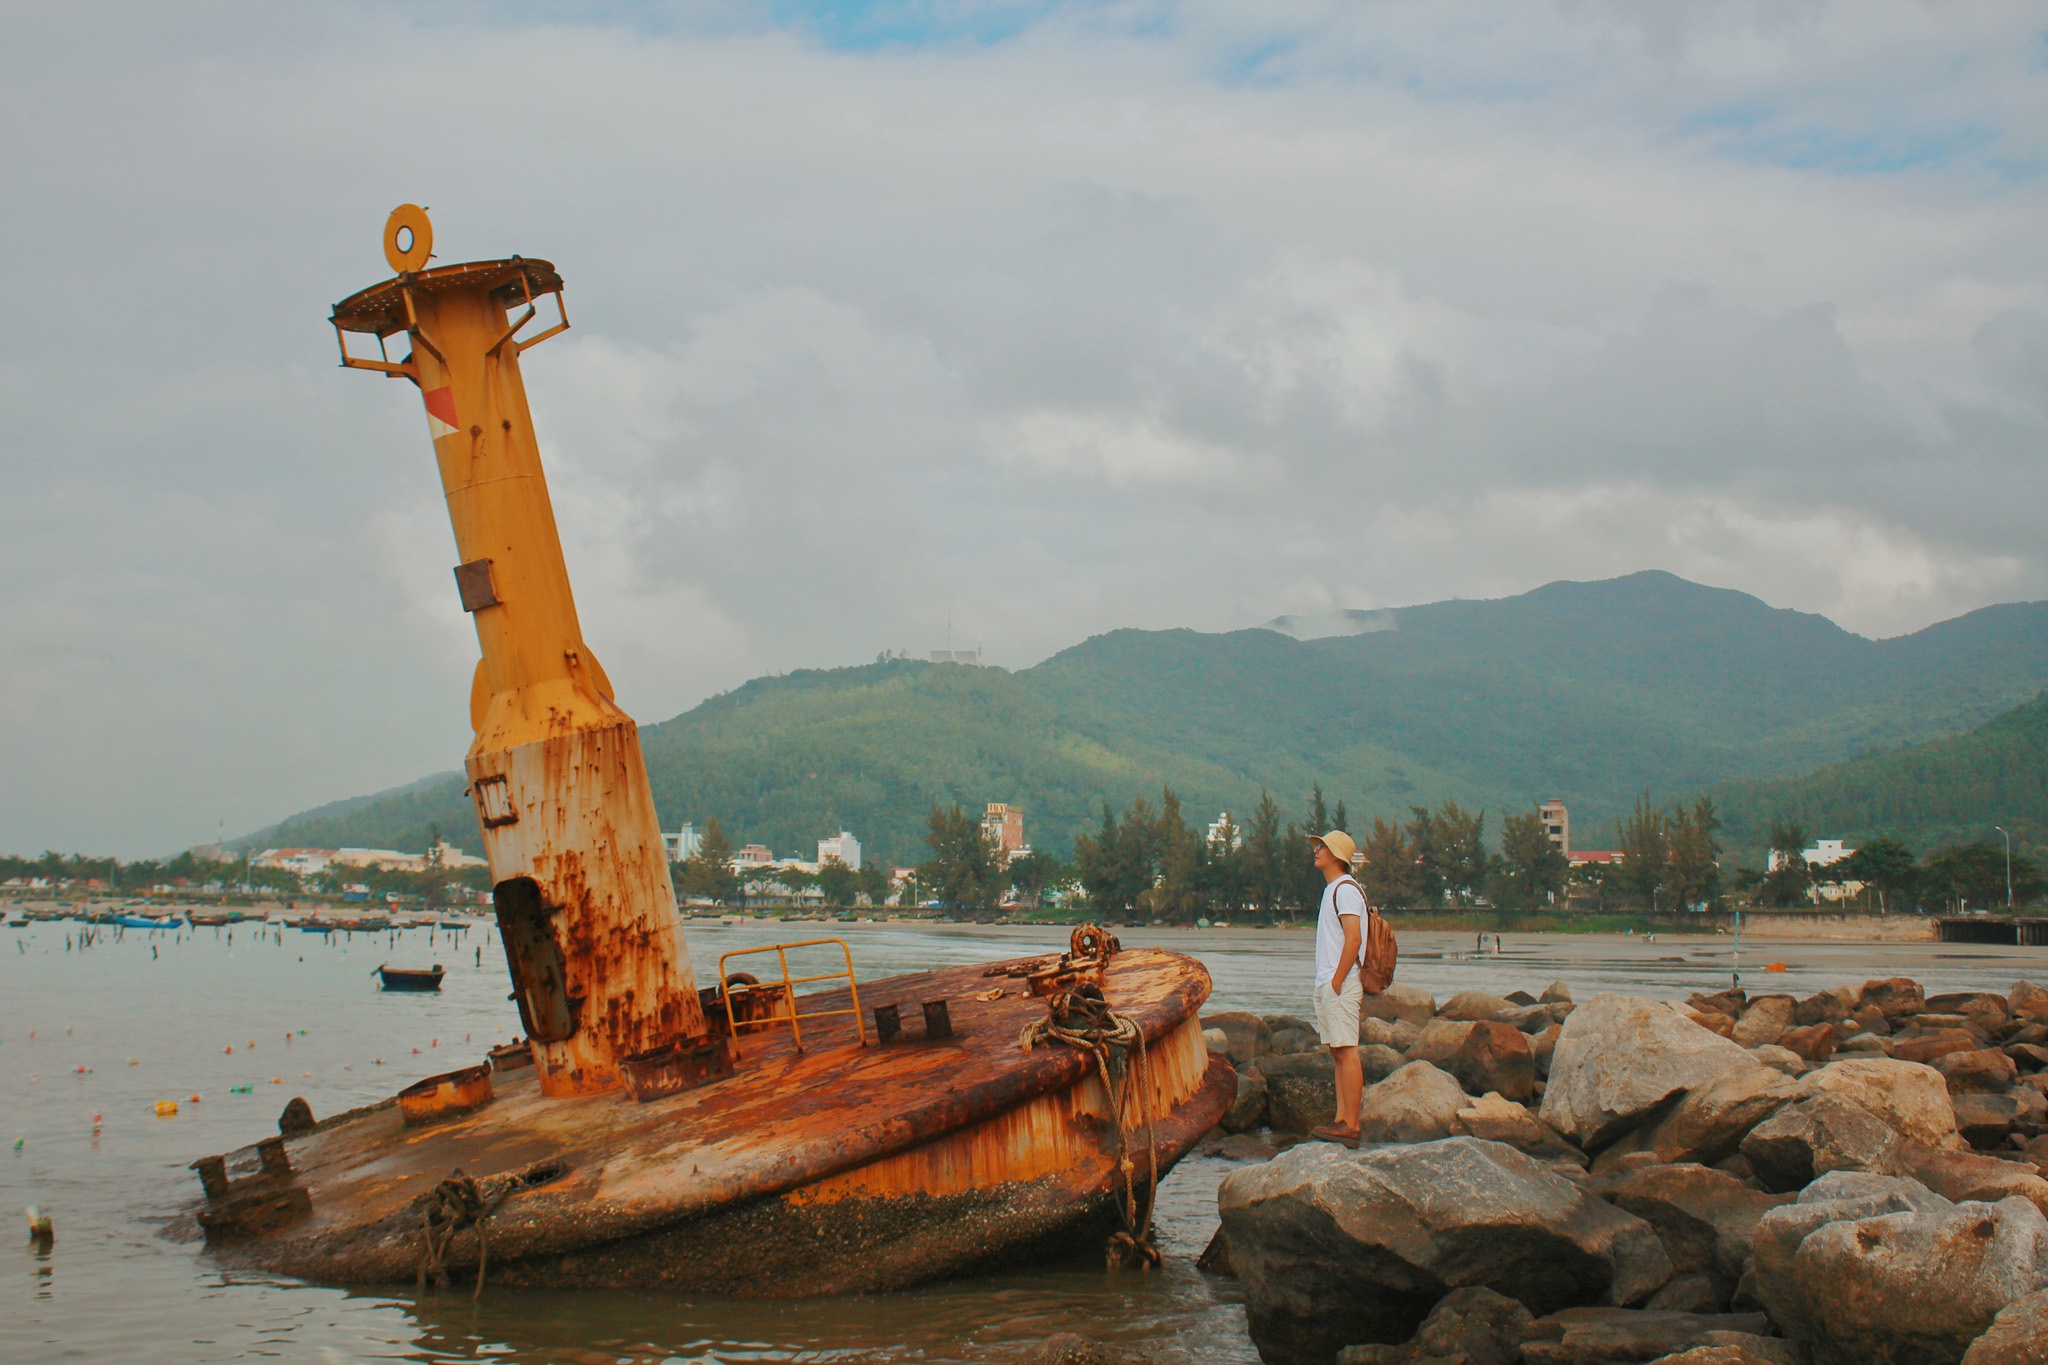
x=1594 y=692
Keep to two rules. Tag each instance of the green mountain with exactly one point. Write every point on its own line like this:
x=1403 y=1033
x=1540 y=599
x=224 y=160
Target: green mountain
x=1945 y=791
x=1589 y=691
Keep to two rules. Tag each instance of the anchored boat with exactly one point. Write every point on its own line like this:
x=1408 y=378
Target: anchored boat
x=791 y=1133
x=410 y=978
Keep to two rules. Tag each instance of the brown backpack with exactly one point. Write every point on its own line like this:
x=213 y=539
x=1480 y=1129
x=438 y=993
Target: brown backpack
x=1377 y=954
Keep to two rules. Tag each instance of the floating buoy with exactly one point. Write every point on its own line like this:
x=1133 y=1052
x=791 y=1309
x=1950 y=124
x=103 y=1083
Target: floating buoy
x=80 y=1070
x=40 y=1230
x=193 y=1100
x=277 y=1080
x=243 y=1089
x=167 y=1109
x=134 y=1062
x=415 y=1052
x=229 y=1048
x=1774 y=966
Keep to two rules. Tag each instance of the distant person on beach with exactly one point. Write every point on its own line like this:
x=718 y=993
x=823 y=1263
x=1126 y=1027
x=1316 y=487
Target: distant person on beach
x=1339 y=990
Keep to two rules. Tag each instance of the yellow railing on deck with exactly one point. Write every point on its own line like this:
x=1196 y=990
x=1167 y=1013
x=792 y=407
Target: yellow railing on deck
x=789 y=984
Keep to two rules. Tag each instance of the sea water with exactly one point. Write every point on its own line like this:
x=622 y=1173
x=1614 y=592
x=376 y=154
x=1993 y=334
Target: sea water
x=249 y=1017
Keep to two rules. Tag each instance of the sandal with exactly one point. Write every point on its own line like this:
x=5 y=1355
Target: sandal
x=1329 y=1132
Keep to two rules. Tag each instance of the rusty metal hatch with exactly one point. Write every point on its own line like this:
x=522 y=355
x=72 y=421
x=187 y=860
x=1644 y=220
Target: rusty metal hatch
x=494 y=801
x=539 y=976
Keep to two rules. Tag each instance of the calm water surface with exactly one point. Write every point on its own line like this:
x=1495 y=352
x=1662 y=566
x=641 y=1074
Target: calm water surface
x=112 y=1289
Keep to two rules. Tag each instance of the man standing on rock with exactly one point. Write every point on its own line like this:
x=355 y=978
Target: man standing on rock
x=1339 y=990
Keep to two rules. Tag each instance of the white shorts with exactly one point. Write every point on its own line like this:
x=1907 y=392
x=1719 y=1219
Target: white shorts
x=1337 y=1015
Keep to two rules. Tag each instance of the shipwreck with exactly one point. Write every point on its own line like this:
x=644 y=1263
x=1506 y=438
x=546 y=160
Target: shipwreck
x=785 y=1130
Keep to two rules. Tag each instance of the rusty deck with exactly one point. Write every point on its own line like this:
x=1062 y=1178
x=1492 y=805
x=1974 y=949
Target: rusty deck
x=833 y=1168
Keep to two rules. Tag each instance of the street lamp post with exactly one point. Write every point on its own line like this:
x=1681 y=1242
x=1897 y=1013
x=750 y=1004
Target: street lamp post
x=2008 y=866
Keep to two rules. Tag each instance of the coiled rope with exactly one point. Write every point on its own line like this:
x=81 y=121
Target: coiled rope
x=454 y=1204
x=1082 y=1018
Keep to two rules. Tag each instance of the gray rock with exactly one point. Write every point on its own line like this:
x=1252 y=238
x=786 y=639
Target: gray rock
x=1476 y=1324
x=1706 y=1219
x=1624 y=1334
x=1469 y=1005
x=1814 y=1136
x=1542 y=1047
x=1763 y=1019
x=1417 y=1103
x=1377 y=1063
x=1911 y=1098
x=1708 y=1125
x=1984 y=1120
x=1911 y=1287
x=1215 y=1257
x=1290 y=1042
x=1620 y=1059
x=1689 y=1293
x=1556 y=993
x=1301 y=1089
x=1397 y=1001
x=1493 y=1118
x=1960 y=1176
x=2017 y=1336
x=1245 y=1036
x=1481 y=1054
x=1248 y=1110
x=1335 y=1247
x=1780 y=1059
x=1836 y=1197
x=1398 y=1034
x=1826 y=1007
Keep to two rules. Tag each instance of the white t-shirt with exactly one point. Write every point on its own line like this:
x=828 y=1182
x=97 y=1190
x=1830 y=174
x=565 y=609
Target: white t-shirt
x=1341 y=897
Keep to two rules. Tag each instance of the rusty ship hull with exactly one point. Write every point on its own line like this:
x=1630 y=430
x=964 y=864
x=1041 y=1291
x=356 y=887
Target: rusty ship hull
x=846 y=1165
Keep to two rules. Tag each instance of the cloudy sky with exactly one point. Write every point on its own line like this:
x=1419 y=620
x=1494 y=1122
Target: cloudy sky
x=1047 y=318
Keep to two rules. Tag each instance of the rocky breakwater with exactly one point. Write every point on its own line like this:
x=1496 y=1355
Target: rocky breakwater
x=1856 y=1177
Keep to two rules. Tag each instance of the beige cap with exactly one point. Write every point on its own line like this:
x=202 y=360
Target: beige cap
x=1339 y=843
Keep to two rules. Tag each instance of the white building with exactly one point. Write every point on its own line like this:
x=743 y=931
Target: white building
x=841 y=846
x=1223 y=827
x=685 y=844
x=1824 y=853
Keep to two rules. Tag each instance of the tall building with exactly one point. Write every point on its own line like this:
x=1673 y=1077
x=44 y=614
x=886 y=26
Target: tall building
x=1223 y=827
x=1003 y=826
x=685 y=844
x=1557 y=823
x=841 y=846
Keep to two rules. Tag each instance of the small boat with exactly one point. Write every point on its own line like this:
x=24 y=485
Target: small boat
x=147 y=922
x=411 y=978
x=454 y=924
x=312 y=926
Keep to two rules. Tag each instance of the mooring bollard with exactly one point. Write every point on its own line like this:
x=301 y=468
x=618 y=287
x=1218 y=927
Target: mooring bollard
x=888 y=1023
x=938 y=1020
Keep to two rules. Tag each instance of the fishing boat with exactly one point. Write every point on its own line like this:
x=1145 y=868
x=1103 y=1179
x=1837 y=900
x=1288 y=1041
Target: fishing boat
x=410 y=978
x=790 y=1129
x=148 y=921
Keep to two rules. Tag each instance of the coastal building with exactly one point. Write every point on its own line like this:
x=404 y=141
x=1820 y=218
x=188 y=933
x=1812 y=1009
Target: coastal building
x=304 y=862
x=1557 y=824
x=971 y=657
x=1003 y=826
x=1585 y=857
x=752 y=856
x=1824 y=853
x=1223 y=831
x=685 y=844
x=841 y=847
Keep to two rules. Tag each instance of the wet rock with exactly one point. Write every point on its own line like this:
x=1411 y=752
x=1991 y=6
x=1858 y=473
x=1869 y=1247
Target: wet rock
x=1067 y=1348
x=1418 y=1103
x=1780 y=1059
x=1470 y=1005
x=1244 y=1147
x=1248 y=1110
x=1473 y=1325
x=1809 y=1138
x=1926 y=1047
x=2017 y=1336
x=1727 y=1351
x=1984 y=1120
x=1911 y=1287
x=1291 y=1042
x=1708 y=1125
x=1542 y=1047
x=1763 y=1019
x=1301 y=1089
x=1377 y=1063
x=1837 y=1197
x=1813 y=1043
x=1493 y=1118
x=1398 y=1034
x=1620 y=1059
x=1960 y=1176
x=1336 y=1247
x=1913 y=1099
x=1984 y=1071
x=1689 y=1293
x=1983 y=1009
x=1706 y=1219
x=1482 y=1055
x=1825 y=1007
x=1556 y=993
x=1397 y=1001
x=1730 y=1003
x=1215 y=1257
x=2028 y=1001
x=1894 y=997
x=1623 y=1334
x=1245 y=1036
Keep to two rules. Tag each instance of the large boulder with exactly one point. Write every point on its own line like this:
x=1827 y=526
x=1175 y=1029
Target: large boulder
x=1837 y=1197
x=2017 y=1336
x=1811 y=1043
x=1930 y=1044
x=1418 y=1103
x=1985 y=1120
x=2028 y=1001
x=1301 y=1089
x=1470 y=1005
x=1603 y=1334
x=1913 y=1287
x=1398 y=1034
x=1912 y=1098
x=1983 y=1009
x=1894 y=998
x=1248 y=1109
x=1482 y=1055
x=1245 y=1036
x=1618 y=1061
x=1978 y=1071
x=1708 y=1125
x=1474 y=1325
x=1808 y=1139
x=1825 y=1007
x=1495 y=1119
x=1960 y=1176
x=1376 y=1063
x=1764 y=1019
x=1334 y=1247
x=1705 y=1218
x=1397 y=1001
